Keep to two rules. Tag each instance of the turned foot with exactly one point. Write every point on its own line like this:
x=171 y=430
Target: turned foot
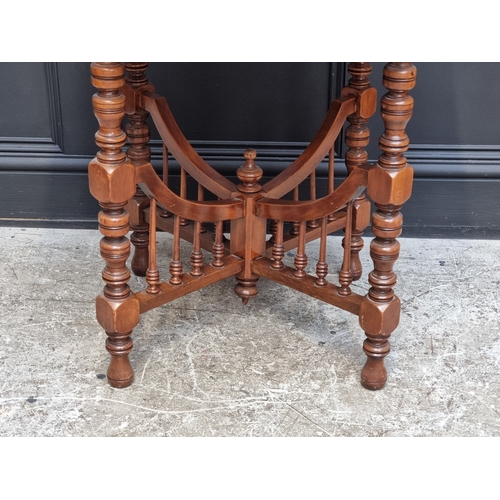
x=120 y=373
x=374 y=374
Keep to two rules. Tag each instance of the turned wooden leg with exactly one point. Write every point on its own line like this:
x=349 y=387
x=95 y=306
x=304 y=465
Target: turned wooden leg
x=357 y=137
x=117 y=309
x=138 y=135
x=389 y=186
x=112 y=182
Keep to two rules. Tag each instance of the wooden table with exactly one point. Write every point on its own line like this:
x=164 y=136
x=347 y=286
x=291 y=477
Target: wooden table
x=134 y=197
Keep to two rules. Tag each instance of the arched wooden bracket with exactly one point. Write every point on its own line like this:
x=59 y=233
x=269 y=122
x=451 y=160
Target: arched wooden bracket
x=319 y=147
x=204 y=211
x=182 y=151
x=298 y=211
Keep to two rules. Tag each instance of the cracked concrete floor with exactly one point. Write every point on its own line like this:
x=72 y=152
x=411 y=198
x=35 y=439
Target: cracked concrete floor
x=284 y=365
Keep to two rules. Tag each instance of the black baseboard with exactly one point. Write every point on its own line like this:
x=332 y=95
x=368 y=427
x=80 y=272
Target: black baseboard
x=453 y=208
x=438 y=208
x=46 y=198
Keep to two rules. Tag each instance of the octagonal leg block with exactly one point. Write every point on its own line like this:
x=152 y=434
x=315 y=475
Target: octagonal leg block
x=118 y=318
x=378 y=320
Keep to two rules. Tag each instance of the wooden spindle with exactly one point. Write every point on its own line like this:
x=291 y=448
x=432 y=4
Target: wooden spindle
x=278 y=252
x=294 y=231
x=165 y=165
x=196 y=254
x=218 y=246
x=322 y=265
x=201 y=197
x=183 y=186
x=175 y=263
x=300 y=261
x=152 y=274
x=345 y=277
x=331 y=177
x=312 y=196
x=389 y=187
x=183 y=193
x=273 y=224
x=165 y=213
x=226 y=228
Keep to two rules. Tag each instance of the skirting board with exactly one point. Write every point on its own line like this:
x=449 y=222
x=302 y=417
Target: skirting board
x=438 y=208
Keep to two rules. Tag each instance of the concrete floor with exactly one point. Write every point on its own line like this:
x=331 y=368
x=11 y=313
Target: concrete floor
x=284 y=365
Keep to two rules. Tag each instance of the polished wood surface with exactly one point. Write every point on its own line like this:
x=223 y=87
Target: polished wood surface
x=112 y=182
x=226 y=226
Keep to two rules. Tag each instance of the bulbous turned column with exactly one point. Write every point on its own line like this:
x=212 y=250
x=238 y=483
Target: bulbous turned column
x=249 y=175
x=389 y=186
x=112 y=183
x=138 y=153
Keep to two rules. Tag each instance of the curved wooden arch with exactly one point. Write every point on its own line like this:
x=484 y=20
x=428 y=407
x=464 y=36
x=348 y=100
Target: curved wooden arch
x=182 y=151
x=297 y=211
x=283 y=183
x=318 y=148
x=203 y=211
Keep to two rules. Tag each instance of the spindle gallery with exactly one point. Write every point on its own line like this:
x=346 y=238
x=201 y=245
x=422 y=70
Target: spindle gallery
x=133 y=197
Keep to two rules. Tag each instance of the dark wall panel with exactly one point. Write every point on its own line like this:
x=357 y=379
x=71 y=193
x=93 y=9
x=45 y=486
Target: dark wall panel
x=242 y=102
x=457 y=104
x=30 y=118
x=454 y=128
x=79 y=122
x=25 y=108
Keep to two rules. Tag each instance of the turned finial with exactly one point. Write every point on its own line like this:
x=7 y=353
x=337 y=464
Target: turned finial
x=249 y=174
